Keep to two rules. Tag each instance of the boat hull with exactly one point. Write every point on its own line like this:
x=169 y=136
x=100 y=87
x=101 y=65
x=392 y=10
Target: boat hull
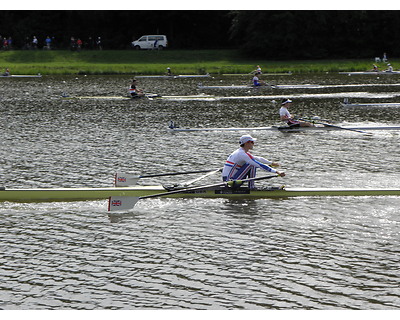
x=87 y=194
x=287 y=129
x=179 y=76
x=148 y=96
x=388 y=104
x=21 y=76
x=371 y=72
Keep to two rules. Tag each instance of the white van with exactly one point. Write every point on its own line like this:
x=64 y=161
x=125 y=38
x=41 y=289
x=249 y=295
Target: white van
x=151 y=42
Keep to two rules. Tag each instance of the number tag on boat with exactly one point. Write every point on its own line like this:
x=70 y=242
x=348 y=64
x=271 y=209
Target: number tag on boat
x=121 y=203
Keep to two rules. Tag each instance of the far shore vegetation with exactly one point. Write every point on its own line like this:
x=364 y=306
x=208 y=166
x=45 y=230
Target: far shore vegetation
x=132 y=62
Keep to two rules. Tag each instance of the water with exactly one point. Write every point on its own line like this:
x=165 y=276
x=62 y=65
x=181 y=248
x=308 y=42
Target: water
x=303 y=253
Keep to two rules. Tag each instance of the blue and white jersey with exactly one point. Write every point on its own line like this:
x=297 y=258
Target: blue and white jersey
x=239 y=160
x=256 y=81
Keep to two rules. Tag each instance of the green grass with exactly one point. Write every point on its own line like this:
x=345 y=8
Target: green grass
x=156 y=62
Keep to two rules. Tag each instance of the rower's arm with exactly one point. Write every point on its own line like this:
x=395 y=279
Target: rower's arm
x=262 y=166
x=263 y=160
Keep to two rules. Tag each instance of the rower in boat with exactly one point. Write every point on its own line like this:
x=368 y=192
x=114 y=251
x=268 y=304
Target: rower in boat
x=7 y=73
x=258 y=70
x=135 y=92
x=374 y=68
x=257 y=82
x=169 y=72
x=242 y=164
x=289 y=118
x=390 y=68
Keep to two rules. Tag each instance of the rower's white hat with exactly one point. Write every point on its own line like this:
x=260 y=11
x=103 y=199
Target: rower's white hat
x=284 y=101
x=246 y=138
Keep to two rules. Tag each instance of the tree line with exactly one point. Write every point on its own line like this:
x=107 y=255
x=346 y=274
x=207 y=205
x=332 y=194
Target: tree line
x=276 y=34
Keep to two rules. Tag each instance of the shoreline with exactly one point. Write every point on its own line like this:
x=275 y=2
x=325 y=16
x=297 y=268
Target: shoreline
x=132 y=62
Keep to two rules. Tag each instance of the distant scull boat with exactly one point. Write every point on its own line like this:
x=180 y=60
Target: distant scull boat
x=21 y=76
x=180 y=76
x=287 y=128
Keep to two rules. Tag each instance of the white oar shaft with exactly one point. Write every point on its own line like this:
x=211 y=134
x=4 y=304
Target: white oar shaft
x=126 y=180
x=188 y=183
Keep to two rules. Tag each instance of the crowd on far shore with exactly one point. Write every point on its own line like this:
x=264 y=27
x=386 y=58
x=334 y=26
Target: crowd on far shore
x=49 y=43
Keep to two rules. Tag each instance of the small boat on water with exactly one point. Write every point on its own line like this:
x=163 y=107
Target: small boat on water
x=287 y=128
x=346 y=103
x=382 y=104
x=86 y=194
x=179 y=76
x=371 y=73
x=300 y=86
x=12 y=76
x=149 y=96
x=263 y=74
x=290 y=86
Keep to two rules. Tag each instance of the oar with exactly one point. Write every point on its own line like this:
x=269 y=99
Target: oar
x=151 y=96
x=339 y=127
x=117 y=203
x=188 y=183
x=124 y=180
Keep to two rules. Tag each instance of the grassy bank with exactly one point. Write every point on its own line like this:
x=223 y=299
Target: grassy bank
x=156 y=62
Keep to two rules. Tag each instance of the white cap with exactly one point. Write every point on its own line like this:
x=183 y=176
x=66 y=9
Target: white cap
x=284 y=101
x=246 y=138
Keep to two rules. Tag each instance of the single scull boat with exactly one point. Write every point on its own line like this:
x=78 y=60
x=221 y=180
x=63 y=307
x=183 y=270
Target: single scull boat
x=85 y=194
x=264 y=74
x=21 y=76
x=180 y=76
x=286 y=128
x=301 y=86
x=370 y=72
x=382 y=104
x=149 y=96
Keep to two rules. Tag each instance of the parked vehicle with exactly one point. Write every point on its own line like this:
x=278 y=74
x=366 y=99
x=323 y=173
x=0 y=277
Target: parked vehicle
x=151 y=42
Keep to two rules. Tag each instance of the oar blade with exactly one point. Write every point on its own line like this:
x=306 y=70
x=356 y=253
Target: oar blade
x=125 y=180
x=121 y=203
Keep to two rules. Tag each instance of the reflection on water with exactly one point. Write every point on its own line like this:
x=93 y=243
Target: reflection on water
x=304 y=253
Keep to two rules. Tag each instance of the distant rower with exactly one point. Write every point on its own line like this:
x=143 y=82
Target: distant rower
x=258 y=70
x=390 y=68
x=289 y=118
x=169 y=72
x=134 y=92
x=257 y=82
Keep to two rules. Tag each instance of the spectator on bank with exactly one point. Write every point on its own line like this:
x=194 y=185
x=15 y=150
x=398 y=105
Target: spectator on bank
x=78 y=44
x=5 y=44
x=98 y=44
x=72 y=44
x=48 y=43
x=34 y=43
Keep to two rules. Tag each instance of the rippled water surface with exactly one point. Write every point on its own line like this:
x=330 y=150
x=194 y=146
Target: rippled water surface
x=301 y=253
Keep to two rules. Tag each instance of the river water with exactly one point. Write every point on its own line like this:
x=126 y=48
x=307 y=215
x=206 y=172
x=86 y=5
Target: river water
x=301 y=253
